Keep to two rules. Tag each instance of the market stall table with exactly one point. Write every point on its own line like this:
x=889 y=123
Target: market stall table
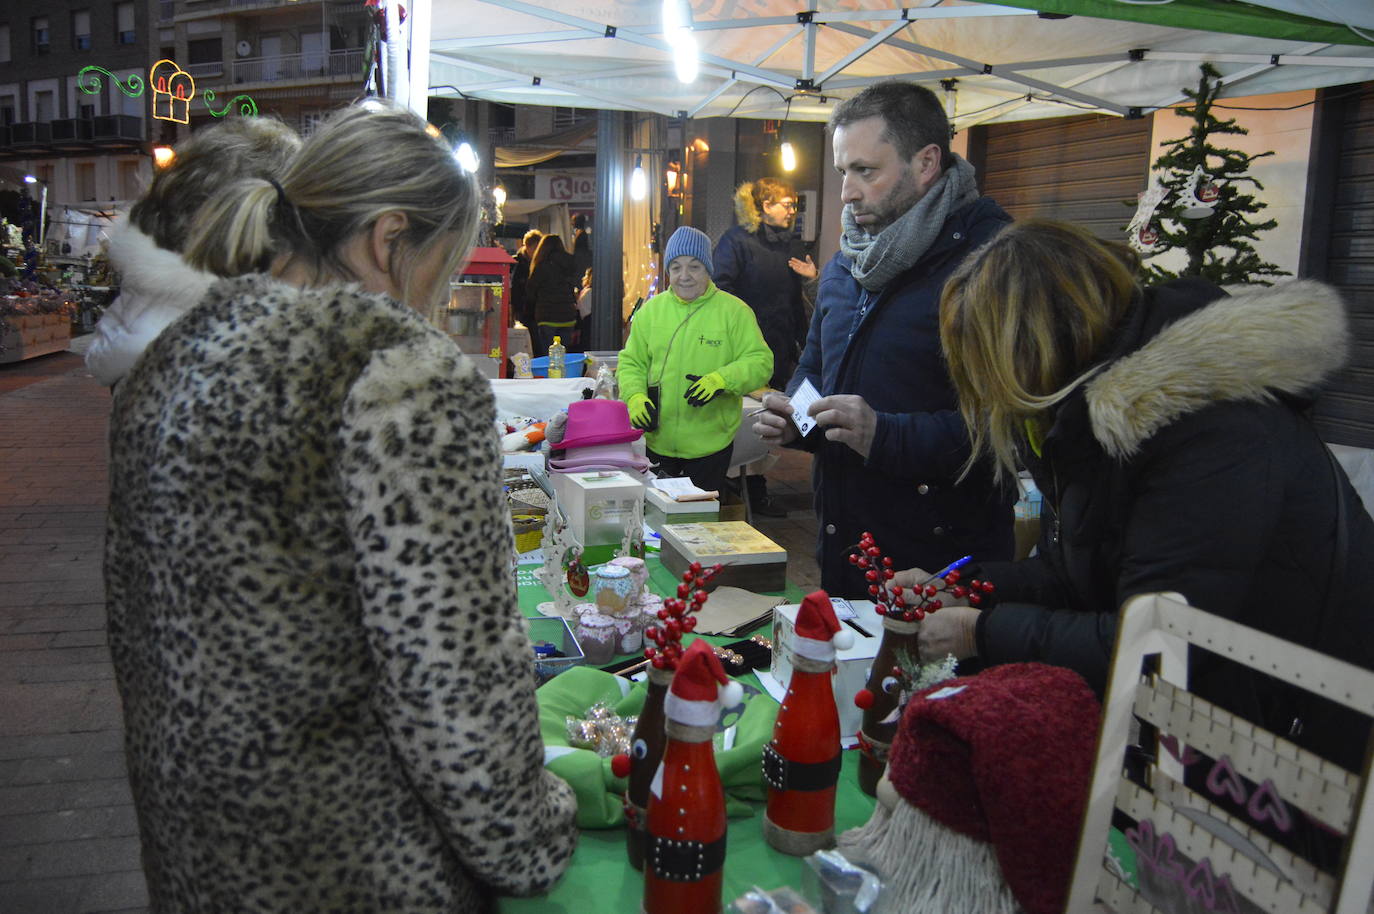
x=600 y=877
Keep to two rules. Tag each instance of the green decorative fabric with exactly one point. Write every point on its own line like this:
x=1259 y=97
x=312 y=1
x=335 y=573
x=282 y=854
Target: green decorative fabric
x=598 y=790
x=1206 y=15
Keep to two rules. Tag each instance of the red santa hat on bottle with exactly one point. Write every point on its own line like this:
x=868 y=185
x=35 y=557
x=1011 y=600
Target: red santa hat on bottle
x=981 y=806
x=700 y=689
x=818 y=633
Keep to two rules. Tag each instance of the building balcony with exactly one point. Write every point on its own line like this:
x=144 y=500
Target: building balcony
x=211 y=70
x=184 y=10
x=72 y=134
x=117 y=131
x=326 y=66
x=30 y=135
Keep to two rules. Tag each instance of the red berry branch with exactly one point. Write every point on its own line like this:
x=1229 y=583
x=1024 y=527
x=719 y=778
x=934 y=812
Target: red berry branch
x=895 y=601
x=677 y=617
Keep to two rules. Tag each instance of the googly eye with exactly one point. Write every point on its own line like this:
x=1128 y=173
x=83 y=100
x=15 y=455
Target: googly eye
x=890 y=684
x=640 y=749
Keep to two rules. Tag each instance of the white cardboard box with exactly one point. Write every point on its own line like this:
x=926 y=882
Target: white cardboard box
x=851 y=664
x=598 y=504
x=669 y=505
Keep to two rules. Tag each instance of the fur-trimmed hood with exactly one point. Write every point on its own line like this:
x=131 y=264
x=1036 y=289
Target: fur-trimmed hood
x=746 y=210
x=1251 y=346
x=156 y=287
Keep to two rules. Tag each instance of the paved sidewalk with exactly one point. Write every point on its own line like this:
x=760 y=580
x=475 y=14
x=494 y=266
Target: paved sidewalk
x=68 y=839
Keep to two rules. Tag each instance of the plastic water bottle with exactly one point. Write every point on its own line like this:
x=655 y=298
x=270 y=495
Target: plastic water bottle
x=607 y=388
x=557 y=356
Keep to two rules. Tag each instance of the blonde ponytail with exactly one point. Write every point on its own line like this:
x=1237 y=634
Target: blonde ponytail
x=233 y=233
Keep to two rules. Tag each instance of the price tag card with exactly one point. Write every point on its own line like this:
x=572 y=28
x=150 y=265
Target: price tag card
x=802 y=399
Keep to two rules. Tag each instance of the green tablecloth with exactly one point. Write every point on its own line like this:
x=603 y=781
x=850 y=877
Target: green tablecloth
x=600 y=878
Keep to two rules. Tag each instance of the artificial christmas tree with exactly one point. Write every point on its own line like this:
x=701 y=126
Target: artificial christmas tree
x=1197 y=202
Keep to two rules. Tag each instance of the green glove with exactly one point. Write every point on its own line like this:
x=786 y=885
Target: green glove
x=641 y=410
x=704 y=389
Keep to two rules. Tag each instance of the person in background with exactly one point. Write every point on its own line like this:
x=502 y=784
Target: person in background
x=551 y=295
x=693 y=350
x=519 y=279
x=584 y=308
x=757 y=261
x=582 y=243
x=890 y=445
x=157 y=285
x=325 y=676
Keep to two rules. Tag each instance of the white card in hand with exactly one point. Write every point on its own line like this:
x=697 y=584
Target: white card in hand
x=802 y=399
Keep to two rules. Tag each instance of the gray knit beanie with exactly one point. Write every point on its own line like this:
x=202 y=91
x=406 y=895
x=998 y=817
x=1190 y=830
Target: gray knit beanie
x=689 y=242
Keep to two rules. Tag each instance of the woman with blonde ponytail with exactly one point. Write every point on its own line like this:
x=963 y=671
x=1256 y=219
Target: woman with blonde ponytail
x=313 y=622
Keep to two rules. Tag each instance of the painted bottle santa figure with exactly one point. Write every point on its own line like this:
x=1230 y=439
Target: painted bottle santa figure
x=802 y=762
x=685 y=857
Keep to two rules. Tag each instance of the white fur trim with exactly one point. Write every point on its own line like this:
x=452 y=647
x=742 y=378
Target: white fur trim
x=1242 y=347
x=842 y=639
x=813 y=648
x=692 y=713
x=157 y=287
x=731 y=694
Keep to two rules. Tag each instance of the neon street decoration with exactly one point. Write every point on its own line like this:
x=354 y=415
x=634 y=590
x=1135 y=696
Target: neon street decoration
x=173 y=91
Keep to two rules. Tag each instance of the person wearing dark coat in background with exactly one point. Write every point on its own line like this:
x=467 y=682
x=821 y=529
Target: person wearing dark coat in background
x=1167 y=430
x=582 y=244
x=519 y=279
x=890 y=443
x=551 y=294
x=756 y=260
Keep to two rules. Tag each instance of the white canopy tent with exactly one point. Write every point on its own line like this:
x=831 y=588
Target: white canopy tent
x=778 y=59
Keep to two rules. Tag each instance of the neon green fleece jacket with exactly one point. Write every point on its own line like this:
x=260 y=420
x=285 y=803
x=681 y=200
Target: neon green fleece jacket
x=670 y=339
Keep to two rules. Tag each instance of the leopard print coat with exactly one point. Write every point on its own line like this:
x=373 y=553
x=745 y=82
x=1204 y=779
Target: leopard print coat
x=312 y=613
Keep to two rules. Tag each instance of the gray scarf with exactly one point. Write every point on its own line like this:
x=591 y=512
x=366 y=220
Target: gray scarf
x=876 y=259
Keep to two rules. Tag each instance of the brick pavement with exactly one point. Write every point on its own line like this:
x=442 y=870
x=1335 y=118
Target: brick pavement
x=68 y=839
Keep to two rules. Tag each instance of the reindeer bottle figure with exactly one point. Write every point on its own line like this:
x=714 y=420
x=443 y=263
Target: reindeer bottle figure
x=802 y=762
x=649 y=738
x=685 y=851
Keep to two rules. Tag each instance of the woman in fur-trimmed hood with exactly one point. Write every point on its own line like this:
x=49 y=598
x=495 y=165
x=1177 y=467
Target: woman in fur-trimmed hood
x=758 y=261
x=1166 y=428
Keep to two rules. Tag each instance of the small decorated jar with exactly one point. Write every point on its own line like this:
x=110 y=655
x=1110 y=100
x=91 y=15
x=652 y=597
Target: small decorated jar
x=629 y=634
x=597 y=636
x=612 y=587
x=639 y=573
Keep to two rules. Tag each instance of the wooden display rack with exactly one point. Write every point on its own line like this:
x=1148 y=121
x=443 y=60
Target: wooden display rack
x=1204 y=859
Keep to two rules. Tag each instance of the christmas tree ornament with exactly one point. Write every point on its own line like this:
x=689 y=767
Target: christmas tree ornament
x=983 y=800
x=1143 y=232
x=1200 y=194
x=1146 y=240
x=671 y=619
x=685 y=851
x=579 y=578
x=802 y=762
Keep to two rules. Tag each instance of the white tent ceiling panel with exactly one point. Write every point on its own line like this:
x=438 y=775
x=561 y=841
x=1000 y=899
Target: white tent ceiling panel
x=610 y=54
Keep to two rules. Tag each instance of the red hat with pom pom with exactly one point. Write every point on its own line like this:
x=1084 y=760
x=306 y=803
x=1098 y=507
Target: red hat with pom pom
x=700 y=688
x=818 y=630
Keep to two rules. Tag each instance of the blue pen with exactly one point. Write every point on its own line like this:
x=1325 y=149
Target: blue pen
x=957 y=563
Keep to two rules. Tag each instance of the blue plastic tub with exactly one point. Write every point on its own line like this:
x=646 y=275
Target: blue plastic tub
x=572 y=365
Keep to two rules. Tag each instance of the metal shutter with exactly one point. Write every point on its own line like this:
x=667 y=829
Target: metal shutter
x=1338 y=236
x=1077 y=169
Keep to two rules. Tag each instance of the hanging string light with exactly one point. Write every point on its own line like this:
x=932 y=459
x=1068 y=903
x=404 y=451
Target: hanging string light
x=639 y=183
x=466 y=156
x=951 y=101
x=677 y=31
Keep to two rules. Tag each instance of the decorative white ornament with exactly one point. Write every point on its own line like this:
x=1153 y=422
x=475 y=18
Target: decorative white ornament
x=1143 y=234
x=1146 y=239
x=556 y=543
x=1200 y=195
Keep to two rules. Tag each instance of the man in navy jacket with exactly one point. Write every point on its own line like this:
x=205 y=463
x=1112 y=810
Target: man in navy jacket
x=890 y=443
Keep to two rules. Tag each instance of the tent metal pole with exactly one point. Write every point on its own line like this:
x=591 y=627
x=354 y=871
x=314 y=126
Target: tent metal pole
x=608 y=237
x=529 y=80
x=1240 y=76
x=419 y=21
x=860 y=51
x=501 y=41
x=809 y=62
x=726 y=86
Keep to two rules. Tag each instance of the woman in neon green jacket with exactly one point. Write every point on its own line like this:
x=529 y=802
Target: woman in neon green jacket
x=693 y=350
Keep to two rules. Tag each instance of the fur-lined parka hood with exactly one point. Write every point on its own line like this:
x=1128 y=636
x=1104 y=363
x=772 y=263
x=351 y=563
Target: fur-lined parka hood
x=156 y=287
x=1253 y=346
x=746 y=210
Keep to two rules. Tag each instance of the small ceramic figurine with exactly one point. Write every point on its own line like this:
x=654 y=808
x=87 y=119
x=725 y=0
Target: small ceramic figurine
x=802 y=763
x=685 y=855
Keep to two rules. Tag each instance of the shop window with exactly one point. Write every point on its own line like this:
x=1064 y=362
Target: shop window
x=42 y=35
x=204 y=50
x=124 y=23
x=81 y=30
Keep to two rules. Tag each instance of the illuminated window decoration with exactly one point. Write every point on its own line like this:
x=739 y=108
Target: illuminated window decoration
x=87 y=81
x=247 y=107
x=173 y=89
